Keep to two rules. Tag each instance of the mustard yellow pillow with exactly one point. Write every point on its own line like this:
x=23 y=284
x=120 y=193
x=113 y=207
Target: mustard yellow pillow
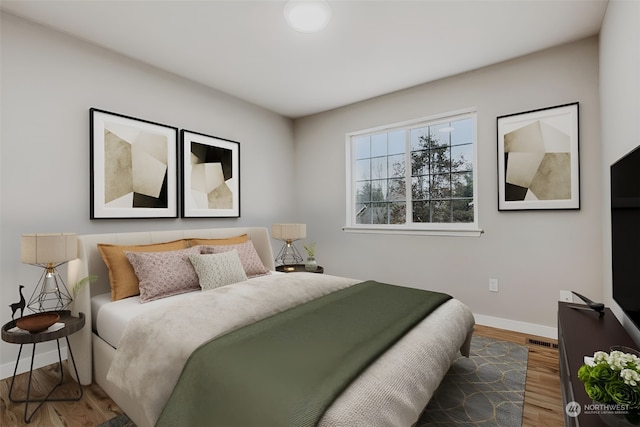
x=122 y=277
x=225 y=241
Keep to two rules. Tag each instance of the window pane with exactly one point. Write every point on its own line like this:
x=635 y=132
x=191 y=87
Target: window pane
x=419 y=162
x=396 y=142
x=379 y=167
x=421 y=212
x=463 y=132
x=439 y=160
x=397 y=189
x=462 y=210
x=398 y=213
x=363 y=192
x=379 y=213
x=440 y=186
x=363 y=170
x=441 y=211
x=440 y=134
x=417 y=137
x=379 y=145
x=420 y=188
x=379 y=190
x=363 y=214
x=396 y=166
x=462 y=158
x=462 y=185
x=362 y=147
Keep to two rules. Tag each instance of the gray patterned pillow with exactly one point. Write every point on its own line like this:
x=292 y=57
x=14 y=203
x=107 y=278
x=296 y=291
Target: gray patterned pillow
x=162 y=274
x=215 y=270
x=249 y=258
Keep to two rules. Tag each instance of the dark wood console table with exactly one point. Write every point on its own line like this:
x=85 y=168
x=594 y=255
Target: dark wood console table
x=581 y=333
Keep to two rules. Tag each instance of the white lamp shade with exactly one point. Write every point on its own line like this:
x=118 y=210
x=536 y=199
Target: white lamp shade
x=49 y=248
x=289 y=231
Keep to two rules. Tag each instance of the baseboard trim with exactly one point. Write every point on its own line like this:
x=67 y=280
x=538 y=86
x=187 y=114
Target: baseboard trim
x=40 y=360
x=514 y=325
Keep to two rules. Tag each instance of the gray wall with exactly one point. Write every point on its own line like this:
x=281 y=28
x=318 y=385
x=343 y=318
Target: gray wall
x=49 y=82
x=620 y=105
x=534 y=255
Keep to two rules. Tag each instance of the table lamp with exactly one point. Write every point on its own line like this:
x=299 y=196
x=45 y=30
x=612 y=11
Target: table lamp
x=288 y=255
x=49 y=251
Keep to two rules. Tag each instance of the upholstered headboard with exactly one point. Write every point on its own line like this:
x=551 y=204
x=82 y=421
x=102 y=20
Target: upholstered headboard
x=89 y=262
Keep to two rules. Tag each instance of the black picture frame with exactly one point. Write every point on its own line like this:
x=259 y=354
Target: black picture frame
x=210 y=176
x=133 y=165
x=539 y=159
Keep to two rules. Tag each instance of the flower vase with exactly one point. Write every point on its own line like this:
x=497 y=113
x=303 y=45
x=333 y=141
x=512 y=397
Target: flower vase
x=311 y=264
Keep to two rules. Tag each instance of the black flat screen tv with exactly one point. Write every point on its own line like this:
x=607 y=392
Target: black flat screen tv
x=625 y=234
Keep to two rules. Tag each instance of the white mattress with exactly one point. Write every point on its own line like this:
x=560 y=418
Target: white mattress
x=111 y=317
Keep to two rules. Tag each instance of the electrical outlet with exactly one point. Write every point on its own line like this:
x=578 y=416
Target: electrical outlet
x=493 y=285
x=566 y=296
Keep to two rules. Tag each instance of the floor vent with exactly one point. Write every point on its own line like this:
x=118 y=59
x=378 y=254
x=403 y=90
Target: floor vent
x=543 y=343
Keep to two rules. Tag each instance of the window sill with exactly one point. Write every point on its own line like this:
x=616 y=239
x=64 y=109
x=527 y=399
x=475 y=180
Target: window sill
x=415 y=231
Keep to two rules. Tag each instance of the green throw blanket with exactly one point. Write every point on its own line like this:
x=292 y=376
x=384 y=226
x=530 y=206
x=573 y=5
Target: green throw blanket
x=286 y=370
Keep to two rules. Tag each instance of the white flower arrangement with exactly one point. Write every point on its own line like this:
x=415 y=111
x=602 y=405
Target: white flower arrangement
x=612 y=378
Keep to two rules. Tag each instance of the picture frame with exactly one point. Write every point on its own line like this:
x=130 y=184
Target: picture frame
x=210 y=176
x=133 y=166
x=539 y=160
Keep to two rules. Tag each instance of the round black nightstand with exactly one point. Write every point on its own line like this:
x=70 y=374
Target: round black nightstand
x=72 y=324
x=297 y=268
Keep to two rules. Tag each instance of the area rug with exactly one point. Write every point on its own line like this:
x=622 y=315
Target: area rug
x=119 y=421
x=486 y=389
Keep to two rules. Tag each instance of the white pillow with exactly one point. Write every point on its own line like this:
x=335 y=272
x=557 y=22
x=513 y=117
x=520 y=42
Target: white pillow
x=249 y=257
x=215 y=270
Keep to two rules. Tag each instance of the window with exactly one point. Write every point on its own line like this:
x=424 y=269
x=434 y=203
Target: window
x=415 y=176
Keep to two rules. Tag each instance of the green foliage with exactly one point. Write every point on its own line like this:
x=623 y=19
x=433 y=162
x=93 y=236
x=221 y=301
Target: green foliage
x=310 y=248
x=80 y=283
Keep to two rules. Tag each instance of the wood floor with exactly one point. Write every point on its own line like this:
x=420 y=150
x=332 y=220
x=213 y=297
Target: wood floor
x=542 y=399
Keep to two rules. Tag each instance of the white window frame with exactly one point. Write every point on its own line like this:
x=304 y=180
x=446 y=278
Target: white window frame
x=437 y=229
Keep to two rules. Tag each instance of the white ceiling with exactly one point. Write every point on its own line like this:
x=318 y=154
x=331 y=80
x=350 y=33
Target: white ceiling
x=370 y=47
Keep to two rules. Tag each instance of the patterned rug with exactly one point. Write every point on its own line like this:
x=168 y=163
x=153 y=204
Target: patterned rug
x=486 y=389
x=119 y=421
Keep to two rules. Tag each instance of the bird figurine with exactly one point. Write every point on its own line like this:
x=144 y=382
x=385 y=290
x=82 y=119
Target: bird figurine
x=18 y=305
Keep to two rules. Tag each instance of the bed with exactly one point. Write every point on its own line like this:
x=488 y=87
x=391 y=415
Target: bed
x=392 y=391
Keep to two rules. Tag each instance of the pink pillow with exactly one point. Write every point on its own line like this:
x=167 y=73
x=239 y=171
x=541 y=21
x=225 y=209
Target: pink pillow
x=162 y=274
x=249 y=258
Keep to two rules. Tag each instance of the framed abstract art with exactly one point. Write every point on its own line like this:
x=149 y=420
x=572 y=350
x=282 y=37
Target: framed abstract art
x=210 y=176
x=538 y=159
x=133 y=167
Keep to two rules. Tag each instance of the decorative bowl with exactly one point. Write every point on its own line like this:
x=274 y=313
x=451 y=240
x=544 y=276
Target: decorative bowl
x=38 y=322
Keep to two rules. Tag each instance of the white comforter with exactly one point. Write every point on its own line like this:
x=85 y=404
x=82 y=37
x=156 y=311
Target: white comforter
x=154 y=348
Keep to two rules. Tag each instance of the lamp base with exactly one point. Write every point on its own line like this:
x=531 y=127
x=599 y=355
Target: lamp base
x=50 y=294
x=288 y=255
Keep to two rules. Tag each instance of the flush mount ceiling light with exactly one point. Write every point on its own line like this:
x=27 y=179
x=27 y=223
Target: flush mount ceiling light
x=307 y=16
